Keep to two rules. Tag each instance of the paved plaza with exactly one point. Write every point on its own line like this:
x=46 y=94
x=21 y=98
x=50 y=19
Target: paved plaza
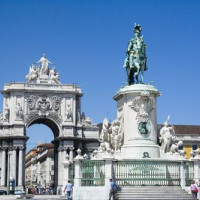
x=39 y=197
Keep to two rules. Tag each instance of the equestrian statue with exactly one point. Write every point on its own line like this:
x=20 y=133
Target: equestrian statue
x=135 y=62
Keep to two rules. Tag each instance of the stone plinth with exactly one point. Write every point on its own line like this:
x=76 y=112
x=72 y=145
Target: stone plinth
x=136 y=108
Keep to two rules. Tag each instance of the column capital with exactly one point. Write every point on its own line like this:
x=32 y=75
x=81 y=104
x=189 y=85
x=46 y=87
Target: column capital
x=14 y=148
x=65 y=148
x=60 y=149
x=10 y=148
x=21 y=147
x=71 y=148
x=4 y=148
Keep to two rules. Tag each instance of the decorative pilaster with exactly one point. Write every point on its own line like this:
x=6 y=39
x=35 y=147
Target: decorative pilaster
x=20 y=172
x=60 y=167
x=182 y=174
x=9 y=165
x=71 y=153
x=38 y=172
x=66 y=176
x=78 y=173
x=196 y=161
x=3 y=167
x=108 y=173
x=14 y=163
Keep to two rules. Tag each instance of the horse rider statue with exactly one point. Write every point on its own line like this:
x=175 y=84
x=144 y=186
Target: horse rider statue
x=135 y=62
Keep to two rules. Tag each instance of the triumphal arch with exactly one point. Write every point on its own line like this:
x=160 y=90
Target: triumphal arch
x=42 y=99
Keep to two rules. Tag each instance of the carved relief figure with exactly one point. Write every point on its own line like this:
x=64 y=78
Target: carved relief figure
x=19 y=112
x=43 y=102
x=78 y=110
x=56 y=102
x=135 y=63
x=167 y=136
x=54 y=76
x=144 y=128
x=69 y=113
x=7 y=113
x=43 y=105
x=143 y=105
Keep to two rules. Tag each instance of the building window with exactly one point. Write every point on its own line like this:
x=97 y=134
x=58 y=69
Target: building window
x=52 y=167
x=194 y=147
x=180 y=147
x=52 y=177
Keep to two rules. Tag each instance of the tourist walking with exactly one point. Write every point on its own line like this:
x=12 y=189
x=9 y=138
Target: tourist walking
x=68 y=189
x=194 y=190
x=112 y=190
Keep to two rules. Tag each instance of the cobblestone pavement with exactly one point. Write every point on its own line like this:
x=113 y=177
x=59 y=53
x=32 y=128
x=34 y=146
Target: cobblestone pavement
x=38 y=197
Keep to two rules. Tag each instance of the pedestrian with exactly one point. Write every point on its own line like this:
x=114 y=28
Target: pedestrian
x=51 y=190
x=29 y=191
x=68 y=189
x=112 y=190
x=194 y=190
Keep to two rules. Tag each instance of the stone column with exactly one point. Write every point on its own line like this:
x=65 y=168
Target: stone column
x=20 y=167
x=66 y=177
x=60 y=167
x=9 y=165
x=182 y=174
x=77 y=178
x=48 y=170
x=3 y=167
x=14 y=163
x=108 y=174
x=71 y=153
x=38 y=172
x=0 y=158
x=196 y=161
x=78 y=175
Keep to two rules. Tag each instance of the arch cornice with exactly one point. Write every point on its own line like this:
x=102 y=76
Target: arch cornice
x=53 y=116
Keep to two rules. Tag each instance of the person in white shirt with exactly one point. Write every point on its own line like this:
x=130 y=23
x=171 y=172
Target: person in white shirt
x=68 y=189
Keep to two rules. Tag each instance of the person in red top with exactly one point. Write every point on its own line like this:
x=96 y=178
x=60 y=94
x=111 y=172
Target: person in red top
x=194 y=190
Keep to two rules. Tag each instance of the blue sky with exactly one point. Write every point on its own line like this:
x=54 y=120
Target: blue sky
x=87 y=40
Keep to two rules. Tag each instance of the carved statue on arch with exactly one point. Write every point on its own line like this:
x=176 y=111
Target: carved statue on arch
x=69 y=113
x=44 y=68
x=54 y=75
x=33 y=73
x=6 y=113
x=19 y=112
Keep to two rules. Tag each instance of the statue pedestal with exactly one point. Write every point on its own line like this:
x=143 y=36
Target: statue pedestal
x=136 y=109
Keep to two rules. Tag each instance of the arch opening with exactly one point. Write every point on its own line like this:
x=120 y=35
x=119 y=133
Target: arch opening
x=41 y=158
x=51 y=124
